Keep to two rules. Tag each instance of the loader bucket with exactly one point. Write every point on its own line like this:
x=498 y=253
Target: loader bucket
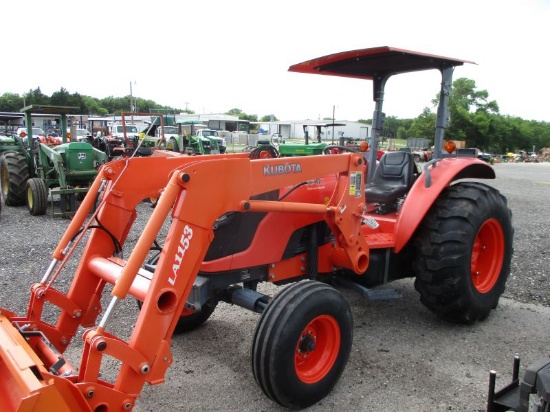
x=25 y=384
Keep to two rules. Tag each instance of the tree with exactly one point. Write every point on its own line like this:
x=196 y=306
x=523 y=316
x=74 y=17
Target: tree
x=401 y=133
x=235 y=112
x=242 y=115
x=391 y=124
x=36 y=97
x=424 y=125
x=471 y=114
x=11 y=102
x=269 y=118
x=60 y=98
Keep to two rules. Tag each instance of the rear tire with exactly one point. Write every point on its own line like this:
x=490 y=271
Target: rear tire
x=464 y=249
x=14 y=173
x=37 y=196
x=193 y=320
x=302 y=344
x=188 y=320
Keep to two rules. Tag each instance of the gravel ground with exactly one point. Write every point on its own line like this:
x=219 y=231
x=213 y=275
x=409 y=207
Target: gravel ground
x=527 y=188
x=403 y=357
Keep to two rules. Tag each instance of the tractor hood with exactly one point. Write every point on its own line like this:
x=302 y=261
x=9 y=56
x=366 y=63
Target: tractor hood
x=368 y=63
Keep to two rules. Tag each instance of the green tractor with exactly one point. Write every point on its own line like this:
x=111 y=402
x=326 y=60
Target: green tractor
x=8 y=124
x=164 y=132
x=8 y=141
x=195 y=142
x=32 y=171
x=301 y=149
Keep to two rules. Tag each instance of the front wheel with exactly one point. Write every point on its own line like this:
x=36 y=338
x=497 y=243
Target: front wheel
x=464 y=249
x=172 y=145
x=37 y=196
x=302 y=343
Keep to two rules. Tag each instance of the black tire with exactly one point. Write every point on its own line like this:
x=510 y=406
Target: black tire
x=193 y=320
x=37 y=196
x=463 y=252
x=188 y=320
x=302 y=344
x=14 y=173
x=172 y=145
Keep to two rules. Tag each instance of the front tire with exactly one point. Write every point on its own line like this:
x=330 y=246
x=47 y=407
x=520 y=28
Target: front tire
x=172 y=145
x=302 y=344
x=464 y=249
x=37 y=196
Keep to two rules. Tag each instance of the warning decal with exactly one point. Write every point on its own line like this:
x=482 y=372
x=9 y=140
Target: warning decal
x=355 y=184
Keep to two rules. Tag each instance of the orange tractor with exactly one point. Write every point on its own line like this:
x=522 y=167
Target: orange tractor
x=314 y=222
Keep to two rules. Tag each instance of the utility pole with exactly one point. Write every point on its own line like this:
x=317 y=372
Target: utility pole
x=333 y=108
x=132 y=105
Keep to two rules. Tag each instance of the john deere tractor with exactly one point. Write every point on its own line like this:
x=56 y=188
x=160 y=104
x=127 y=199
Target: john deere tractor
x=32 y=171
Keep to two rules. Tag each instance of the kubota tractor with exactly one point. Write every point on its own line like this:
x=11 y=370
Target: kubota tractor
x=313 y=222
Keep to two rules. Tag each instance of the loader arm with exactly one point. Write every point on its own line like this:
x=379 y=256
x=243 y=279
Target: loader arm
x=48 y=156
x=39 y=375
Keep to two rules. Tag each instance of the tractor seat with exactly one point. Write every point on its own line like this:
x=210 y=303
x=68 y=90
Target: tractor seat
x=392 y=178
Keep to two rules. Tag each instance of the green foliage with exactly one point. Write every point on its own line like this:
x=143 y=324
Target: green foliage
x=475 y=119
x=401 y=132
x=10 y=102
x=423 y=126
x=242 y=115
x=269 y=118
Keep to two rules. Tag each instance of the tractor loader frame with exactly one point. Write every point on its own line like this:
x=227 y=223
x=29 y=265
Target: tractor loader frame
x=308 y=221
x=30 y=347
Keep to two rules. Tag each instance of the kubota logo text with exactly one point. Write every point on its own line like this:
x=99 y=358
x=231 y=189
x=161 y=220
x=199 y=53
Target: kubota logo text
x=185 y=240
x=285 y=169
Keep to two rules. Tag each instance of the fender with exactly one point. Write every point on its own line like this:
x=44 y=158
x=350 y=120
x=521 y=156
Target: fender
x=427 y=188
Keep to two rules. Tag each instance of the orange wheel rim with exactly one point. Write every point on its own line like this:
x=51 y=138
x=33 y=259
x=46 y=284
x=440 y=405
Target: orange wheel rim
x=317 y=349
x=487 y=256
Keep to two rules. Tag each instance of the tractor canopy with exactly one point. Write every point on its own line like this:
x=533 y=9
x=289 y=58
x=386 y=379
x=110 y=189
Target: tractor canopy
x=379 y=64
x=368 y=63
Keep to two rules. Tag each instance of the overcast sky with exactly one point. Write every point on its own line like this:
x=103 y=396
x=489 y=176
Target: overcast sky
x=214 y=55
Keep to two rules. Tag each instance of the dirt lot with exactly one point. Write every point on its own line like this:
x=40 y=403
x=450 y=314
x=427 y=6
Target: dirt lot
x=403 y=358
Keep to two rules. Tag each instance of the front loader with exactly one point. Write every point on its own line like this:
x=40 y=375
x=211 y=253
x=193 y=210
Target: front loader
x=309 y=223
